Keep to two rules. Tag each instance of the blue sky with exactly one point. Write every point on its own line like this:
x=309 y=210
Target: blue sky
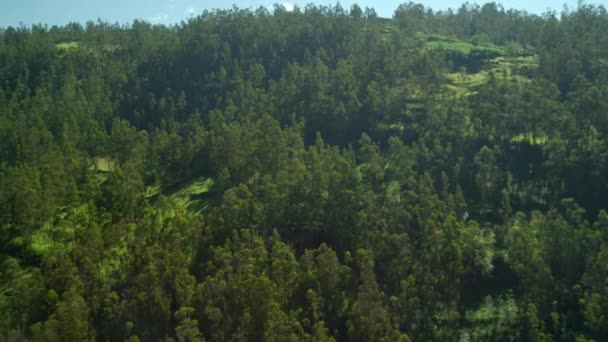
x=60 y=12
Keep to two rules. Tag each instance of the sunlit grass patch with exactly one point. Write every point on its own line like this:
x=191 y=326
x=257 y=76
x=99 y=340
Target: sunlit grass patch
x=41 y=242
x=71 y=46
x=462 y=46
x=539 y=139
x=460 y=90
x=510 y=61
x=152 y=190
x=397 y=127
x=193 y=196
x=518 y=65
x=470 y=80
x=117 y=255
x=103 y=164
x=53 y=234
x=463 y=84
x=67 y=45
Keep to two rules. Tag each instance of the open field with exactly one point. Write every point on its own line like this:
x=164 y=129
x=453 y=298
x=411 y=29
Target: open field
x=464 y=84
x=462 y=46
x=540 y=139
x=67 y=45
x=70 y=46
x=193 y=196
x=103 y=164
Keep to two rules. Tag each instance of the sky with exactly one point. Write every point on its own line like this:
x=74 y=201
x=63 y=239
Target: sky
x=61 y=12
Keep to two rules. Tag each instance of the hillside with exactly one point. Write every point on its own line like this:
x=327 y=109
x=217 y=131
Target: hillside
x=319 y=174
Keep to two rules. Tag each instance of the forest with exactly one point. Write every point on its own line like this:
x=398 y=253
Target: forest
x=321 y=174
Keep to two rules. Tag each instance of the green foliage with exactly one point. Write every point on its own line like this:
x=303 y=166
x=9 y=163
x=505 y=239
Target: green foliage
x=67 y=45
x=69 y=322
x=319 y=174
x=192 y=195
x=461 y=46
x=494 y=320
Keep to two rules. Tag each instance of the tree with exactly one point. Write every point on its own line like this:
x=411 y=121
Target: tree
x=70 y=321
x=370 y=318
x=486 y=175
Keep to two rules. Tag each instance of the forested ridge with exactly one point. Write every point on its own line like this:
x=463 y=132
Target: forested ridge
x=320 y=174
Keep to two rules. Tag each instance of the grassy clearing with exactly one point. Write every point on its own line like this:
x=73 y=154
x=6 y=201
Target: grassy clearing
x=531 y=61
x=152 y=190
x=70 y=46
x=194 y=197
x=42 y=242
x=67 y=46
x=103 y=164
x=394 y=127
x=540 y=139
x=510 y=65
x=54 y=234
x=463 y=84
x=116 y=256
x=461 y=46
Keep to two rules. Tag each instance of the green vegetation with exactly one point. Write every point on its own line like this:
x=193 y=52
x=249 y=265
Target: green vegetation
x=67 y=45
x=512 y=69
x=463 y=84
x=462 y=46
x=104 y=164
x=315 y=175
x=530 y=139
x=193 y=197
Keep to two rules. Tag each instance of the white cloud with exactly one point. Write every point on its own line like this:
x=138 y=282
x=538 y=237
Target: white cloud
x=159 y=18
x=288 y=6
x=190 y=12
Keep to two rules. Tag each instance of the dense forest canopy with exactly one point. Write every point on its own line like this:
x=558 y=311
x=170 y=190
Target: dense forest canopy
x=320 y=174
